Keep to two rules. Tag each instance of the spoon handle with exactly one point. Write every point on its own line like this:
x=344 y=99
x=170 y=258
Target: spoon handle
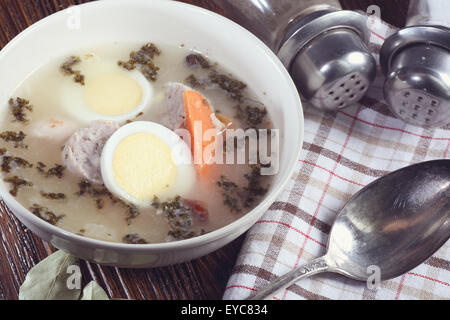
x=313 y=267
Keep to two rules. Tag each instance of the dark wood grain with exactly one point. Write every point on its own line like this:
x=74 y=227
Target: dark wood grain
x=204 y=278
x=392 y=11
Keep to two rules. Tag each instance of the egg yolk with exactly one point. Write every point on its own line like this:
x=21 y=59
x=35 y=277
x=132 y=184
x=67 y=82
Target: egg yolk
x=143 y=166
x=112 y=94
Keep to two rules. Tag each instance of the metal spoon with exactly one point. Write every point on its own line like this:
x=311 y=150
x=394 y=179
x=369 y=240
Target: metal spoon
x=395 y=223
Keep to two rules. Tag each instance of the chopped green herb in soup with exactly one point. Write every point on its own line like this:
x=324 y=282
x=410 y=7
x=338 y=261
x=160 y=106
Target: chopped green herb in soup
x=129 y=99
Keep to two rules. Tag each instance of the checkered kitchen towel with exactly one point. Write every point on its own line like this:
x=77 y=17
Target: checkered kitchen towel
x=341 y=154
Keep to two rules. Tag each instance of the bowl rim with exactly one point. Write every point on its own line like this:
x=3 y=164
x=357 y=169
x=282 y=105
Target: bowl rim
x=24 y=214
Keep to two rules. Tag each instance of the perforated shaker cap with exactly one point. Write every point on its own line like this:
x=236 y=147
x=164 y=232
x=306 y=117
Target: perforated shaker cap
x=328 y=59
x=416 y=61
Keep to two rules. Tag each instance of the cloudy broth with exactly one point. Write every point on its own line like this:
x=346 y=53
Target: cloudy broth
x=50 y=125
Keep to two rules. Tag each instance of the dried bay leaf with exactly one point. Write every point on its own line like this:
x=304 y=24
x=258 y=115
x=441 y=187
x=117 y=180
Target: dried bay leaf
x=92 y=291
x=48 y=279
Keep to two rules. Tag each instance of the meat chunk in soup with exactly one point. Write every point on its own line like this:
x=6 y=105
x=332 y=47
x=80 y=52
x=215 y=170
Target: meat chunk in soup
x=176 y=114
x=176 y=111
x=82 y=152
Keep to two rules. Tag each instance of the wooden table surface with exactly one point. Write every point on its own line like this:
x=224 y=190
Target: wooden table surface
x=204 y=278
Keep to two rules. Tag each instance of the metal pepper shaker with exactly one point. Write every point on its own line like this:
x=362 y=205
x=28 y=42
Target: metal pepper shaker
x=416 y=61
x=321 y=45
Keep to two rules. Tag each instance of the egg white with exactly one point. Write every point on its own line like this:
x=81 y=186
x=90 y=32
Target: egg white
x=181 y=156
x=72 y=94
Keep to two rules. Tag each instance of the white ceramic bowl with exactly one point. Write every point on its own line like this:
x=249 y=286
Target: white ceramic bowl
x=103 y=22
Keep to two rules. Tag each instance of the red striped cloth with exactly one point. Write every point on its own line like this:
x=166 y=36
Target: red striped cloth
x=341 y=153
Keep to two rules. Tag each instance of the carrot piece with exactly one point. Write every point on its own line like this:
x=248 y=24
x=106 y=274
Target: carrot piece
x=198 y=121
x=55 y=123
x=199 y=209
x=226 y=121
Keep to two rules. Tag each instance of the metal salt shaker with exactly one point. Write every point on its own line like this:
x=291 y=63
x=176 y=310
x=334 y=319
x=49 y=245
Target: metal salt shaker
x=416 y=61
x=321 y=45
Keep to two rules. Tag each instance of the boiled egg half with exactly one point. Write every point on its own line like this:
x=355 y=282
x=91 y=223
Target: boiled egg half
x=109 y=93
x=143 y=159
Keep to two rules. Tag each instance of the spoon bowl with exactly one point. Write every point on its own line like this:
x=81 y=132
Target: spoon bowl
x=394 y=224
